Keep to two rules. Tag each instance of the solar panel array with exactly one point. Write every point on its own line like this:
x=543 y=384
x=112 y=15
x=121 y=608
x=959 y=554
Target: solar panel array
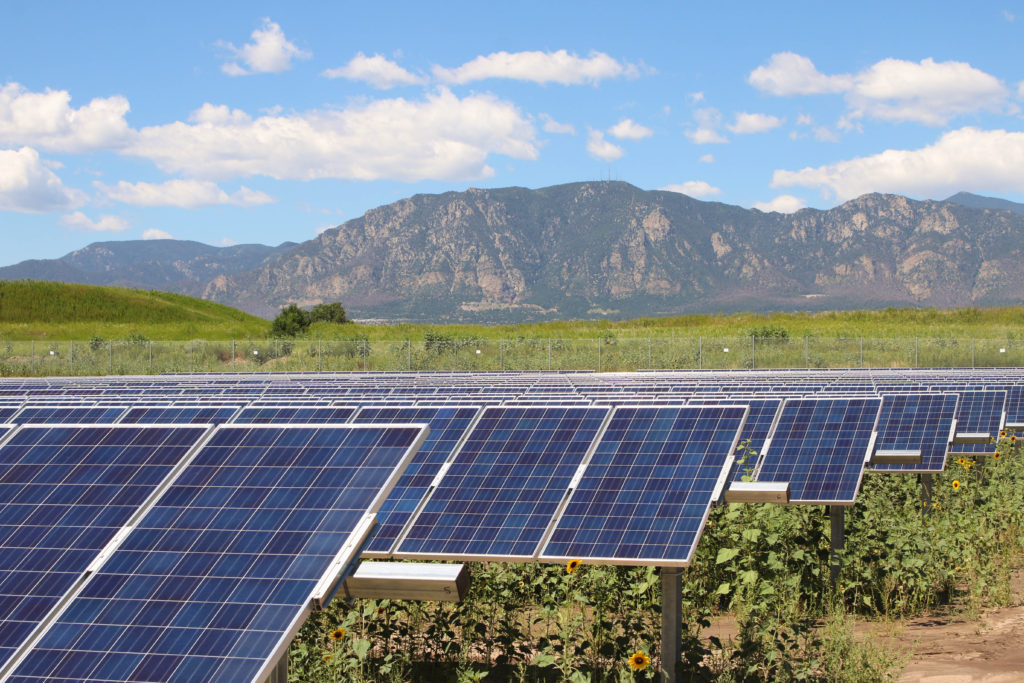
x=180 y=526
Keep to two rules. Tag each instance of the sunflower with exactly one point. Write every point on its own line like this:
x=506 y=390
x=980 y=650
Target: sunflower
x=639 y=661
x=1002 y=434
x=337 y=634
x=956 y=484
x=1013 y=438
x=572 y=566
x=995 y=456
x=962 y=462
x=326 y=658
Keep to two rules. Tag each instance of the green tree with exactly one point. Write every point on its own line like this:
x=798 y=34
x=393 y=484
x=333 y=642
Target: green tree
x=291 y=321
x=330 y=313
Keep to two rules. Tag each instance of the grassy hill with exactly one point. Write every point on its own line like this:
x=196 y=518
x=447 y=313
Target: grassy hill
x=31 y=309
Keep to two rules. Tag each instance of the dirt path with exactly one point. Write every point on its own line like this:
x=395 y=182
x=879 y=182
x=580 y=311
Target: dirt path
x=956 y=651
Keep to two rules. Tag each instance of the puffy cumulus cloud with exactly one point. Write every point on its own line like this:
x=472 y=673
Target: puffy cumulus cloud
x=28 y=186
x=378 y=71
x=46 y=120
x=785 y=203
x=965 y=159
x=627 y=129
x=156 y=234
x=694 y=188
x=443 y=137
x=825 y=134
x=708 y=121
x=186 y=194
x=787 y=73
x=552 y=126
x=106 y=223
x=707 y=159
x=268 y=52
x=601 y=149
x=539 y=67
x=927 y=92
x=754 y=123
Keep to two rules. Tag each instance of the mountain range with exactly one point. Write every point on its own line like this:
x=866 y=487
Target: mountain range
x=591 y=249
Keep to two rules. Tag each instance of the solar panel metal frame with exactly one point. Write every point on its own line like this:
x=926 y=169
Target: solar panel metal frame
x=716 y=495
x=923 y=467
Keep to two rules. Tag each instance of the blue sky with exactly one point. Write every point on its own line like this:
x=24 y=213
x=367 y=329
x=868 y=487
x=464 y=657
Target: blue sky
x=229 y=122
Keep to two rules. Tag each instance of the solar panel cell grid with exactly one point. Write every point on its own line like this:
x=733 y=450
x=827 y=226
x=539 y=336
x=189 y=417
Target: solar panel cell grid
x=209 y=583
x=646 y=491
x=505 y=484
x=916 y=421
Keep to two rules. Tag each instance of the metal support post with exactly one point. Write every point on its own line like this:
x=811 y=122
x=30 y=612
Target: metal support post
x=917 y=362
x=837 y=543
x=233 y=354
x=862 y=352
x=650 y=355
x=409 y=348
x=501 y=355
x=972 y=353
x=807 y=355
x=110 y=348
x=279 y=674
x=33 y=357
x=151 y=357
x=671 y=622
x=752 y=364
x=926 y=490
x=366 y=353
x=191 y=356
x=319 y=357
x=599 y=343
x=549 y=354
x=700 y=353
x=71 y=353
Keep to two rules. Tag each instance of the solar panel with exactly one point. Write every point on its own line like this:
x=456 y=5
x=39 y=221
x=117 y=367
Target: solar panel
x=915 y=422
x=448 y=426
x=979 y=417
x=215 y=580
x=7 y=412
x=820 y=447
x=54 y=414
x=756 y=429
x=197 y=414
x=645 y=494
x=294 y=414
x=65 y=491
x=504 y=485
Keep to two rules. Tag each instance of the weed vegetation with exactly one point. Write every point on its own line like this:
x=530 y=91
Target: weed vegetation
x=765 y=567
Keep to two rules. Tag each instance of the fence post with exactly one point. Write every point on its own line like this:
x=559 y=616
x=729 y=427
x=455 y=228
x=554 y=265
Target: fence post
x=599 y=343
x=549 y=354
x=455 y=355
x=862 y=352
x=501 y=356
x=366 y=352
x=807 y=355
x=409 y=353
x=972 y=353
x=650 y=359
x=33 y=351
x=191 y=356
x=917 y=362
x=752 y=364
x=71 y=354
x=151 y=357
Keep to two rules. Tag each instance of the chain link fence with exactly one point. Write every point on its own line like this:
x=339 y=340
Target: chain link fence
x=607 y=354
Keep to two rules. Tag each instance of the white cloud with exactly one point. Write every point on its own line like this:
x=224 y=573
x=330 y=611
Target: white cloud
x=927 y=92
x=825 y=134
x=226 y=242
x=707 y=159
x=696 y=97
x=804 y=120
x=28 y=186
x=627 y=129
x=323 y=228
x=694 y=188
x=378 y=71
x=186 y=194
x=539 y=67
x=269 y=52
x=1020 y=89
x=785 y=203
x=106 y=223
x=157 y=234
x=966 y=159
x=754 y=123
x=1008 y=15
x=791 y=74
x=552 y=126
x=599 y=148
x=708 y=121
x=442 y=138
x=45 y=120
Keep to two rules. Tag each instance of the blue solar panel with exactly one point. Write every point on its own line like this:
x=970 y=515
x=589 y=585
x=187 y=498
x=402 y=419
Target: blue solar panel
x=505 y=484
x=211 y=582
x=65 y=491
x=179 y=415
x=979 y=412
x=68 y=414
x=294 y=414
x=645 y=493
x=820 y=446
x=1015 y=406
x=448 y=426
x=758 y=426
x=916 y=421
x=7 y=412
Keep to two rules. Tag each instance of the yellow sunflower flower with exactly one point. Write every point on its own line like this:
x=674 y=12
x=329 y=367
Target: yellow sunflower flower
x=572 y=566
x=337 y=634
x=639 y=661
x=956 y=484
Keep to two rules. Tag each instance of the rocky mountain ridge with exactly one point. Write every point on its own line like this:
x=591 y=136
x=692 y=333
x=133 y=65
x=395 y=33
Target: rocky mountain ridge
x=598 y=249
